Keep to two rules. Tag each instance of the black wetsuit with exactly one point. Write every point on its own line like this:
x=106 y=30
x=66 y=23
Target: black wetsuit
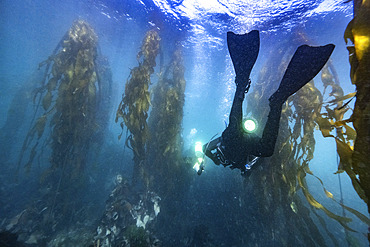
x=236 y=145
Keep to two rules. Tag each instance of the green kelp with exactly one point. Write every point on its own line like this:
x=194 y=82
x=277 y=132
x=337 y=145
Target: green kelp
x=70 y=96
x=134 y=107
x=356 y=161
x=165 y=124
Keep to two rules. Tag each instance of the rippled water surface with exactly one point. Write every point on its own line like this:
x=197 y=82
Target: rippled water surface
x=218 y=208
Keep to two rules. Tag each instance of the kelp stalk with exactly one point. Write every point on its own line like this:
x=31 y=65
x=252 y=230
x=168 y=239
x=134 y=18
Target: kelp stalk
x=134 y=107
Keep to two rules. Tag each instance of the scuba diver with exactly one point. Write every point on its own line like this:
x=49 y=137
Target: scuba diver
x=237 y=148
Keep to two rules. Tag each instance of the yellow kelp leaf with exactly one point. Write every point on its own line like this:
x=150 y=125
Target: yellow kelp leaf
x=350 y=132
x=293 y=206
x=325 y=126
x=362 y=42
x=166 y=150
x=339 y=171
x=339 y=99
x=328 y=194
x=306 y=168
x=340 y=123
x=338 y=114
x=300 y=176
x=284 y=178
x=316 y=204
x=345 y=152
x=312 y=200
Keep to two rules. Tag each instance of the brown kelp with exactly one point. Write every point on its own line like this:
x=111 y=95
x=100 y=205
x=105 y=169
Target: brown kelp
x=70 y=95
x=286 y=171
x=278 y=177
x=356 y=161
x=165 y=124
x=133 y=109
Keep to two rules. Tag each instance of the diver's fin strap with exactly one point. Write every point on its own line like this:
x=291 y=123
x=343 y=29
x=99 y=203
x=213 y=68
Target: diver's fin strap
x=242 y=87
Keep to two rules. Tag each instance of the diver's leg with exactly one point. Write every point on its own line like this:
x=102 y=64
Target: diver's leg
x=236 y=113
x=305 y=64
x=266 y=146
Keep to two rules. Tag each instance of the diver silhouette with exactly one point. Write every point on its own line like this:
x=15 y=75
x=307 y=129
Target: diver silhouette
x=236 y=147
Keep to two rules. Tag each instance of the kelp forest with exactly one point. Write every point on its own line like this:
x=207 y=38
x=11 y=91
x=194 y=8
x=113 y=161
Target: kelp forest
x=70 y=148
x=287 y=192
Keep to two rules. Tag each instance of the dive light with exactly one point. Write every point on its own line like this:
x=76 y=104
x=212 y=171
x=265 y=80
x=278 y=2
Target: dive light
x=250 y=125
x=198 y=149
x=199 y=165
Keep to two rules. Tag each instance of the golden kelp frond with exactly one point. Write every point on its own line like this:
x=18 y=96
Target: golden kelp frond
x=307 y=103
x=332 y=119
x=134 y=107
x=313 y=202
x=358 y=32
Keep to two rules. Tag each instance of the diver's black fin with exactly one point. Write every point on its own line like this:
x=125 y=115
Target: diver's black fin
x=305 y=64
x=243 y=51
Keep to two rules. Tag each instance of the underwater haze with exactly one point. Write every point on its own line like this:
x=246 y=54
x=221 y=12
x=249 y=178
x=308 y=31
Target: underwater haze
x=102 y=103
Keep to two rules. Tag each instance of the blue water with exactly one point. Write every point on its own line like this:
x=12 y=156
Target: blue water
x=30 y=30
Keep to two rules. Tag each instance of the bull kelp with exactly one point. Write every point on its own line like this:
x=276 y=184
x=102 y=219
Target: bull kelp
x=286 y=171
x=70 y=95
x=165 y=123
x=133 y=109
